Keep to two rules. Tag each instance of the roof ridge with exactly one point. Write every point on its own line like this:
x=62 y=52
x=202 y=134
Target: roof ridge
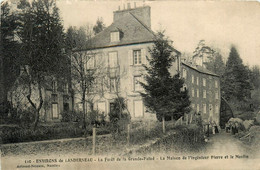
x=142 y=23
x=200 y=70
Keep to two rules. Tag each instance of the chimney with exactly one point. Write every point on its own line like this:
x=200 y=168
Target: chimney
x=141 y=13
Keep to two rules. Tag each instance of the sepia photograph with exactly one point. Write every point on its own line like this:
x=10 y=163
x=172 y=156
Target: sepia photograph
x=124 y=84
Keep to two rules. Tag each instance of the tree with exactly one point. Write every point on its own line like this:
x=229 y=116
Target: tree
x=216 y=64
x=164 y=94
x=9 y=52
x=236 y=82
x=203 y=52
x=100 y=26
x=42 y=42
x=211 y=58
x=85 y=65
x=255 y=76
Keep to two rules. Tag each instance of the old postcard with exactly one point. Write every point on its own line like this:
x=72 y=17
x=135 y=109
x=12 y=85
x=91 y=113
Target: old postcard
x=129 y=84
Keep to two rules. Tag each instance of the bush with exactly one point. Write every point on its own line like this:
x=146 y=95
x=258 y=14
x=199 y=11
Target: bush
x=14 y=134
x=23 y=118
x=18 y=134
x=118 y=116
x=96 y=118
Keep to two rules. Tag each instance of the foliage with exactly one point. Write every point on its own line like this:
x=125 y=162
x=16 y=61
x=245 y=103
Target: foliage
x=216 y=64
x=202 y=50
x=70 y=116
x=100 y=26
x=182 y=138
x=46 y=132
x=255 y=76
x=163 y=92
x=41 y=37
x=83 y=76
x=9 y=69
x=118 y=116
x=23 y=118
x=236 y=83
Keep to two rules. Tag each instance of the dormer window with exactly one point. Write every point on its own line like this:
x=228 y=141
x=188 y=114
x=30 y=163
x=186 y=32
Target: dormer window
x=114 y=36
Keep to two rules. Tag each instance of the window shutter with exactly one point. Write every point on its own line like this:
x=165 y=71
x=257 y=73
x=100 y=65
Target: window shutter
x=143 y=53
x=130 y=57
x=106 y=60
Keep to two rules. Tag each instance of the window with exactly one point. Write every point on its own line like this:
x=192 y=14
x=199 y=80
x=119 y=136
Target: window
x=113 y=85
x=210 y=110
x=216 y=109
x=137 y=57
x=101 y=107
x=184 y=73
x=197 y=80
x=216 y=95
x=204 y=94
x=198 y=108
x=54 y=86
x=93 y=86
x=66 y=107
x=90 y=62
x=137 y=85
x=55 y=114
x=192 y=92
x=192 y=79
x=114 y=36
x=216 y=83
x=198 y=93
x=138 y=108
x=204 y=82
x=66 y=88
x=112 y=59
x=204 y=108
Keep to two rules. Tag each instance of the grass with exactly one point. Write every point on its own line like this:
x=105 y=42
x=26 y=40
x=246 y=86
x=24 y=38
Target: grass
x=46 y=132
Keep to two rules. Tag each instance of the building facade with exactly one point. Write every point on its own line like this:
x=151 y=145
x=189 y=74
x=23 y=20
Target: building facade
x=204 y=91
x=123 y=48
x=56 y=95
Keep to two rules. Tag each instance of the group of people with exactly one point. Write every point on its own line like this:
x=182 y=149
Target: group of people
x=214 y=127
x=231 y=127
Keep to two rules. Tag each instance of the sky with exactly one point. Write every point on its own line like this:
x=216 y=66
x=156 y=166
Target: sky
x=220 y=24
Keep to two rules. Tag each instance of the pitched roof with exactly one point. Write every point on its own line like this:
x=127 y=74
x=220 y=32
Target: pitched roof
x=131 y=31
x=200 y=69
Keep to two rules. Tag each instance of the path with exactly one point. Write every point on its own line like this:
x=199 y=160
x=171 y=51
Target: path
x=223 y=143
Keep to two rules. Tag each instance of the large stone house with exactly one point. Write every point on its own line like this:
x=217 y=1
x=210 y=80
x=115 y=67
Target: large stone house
x=124 y=48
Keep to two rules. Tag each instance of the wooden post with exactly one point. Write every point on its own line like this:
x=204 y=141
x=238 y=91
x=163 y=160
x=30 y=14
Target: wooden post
x=181 y=120
x=94 y=141
x=128 y=134
x=163 y=124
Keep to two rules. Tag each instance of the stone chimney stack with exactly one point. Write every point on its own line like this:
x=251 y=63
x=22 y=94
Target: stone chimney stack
x=141 y=13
